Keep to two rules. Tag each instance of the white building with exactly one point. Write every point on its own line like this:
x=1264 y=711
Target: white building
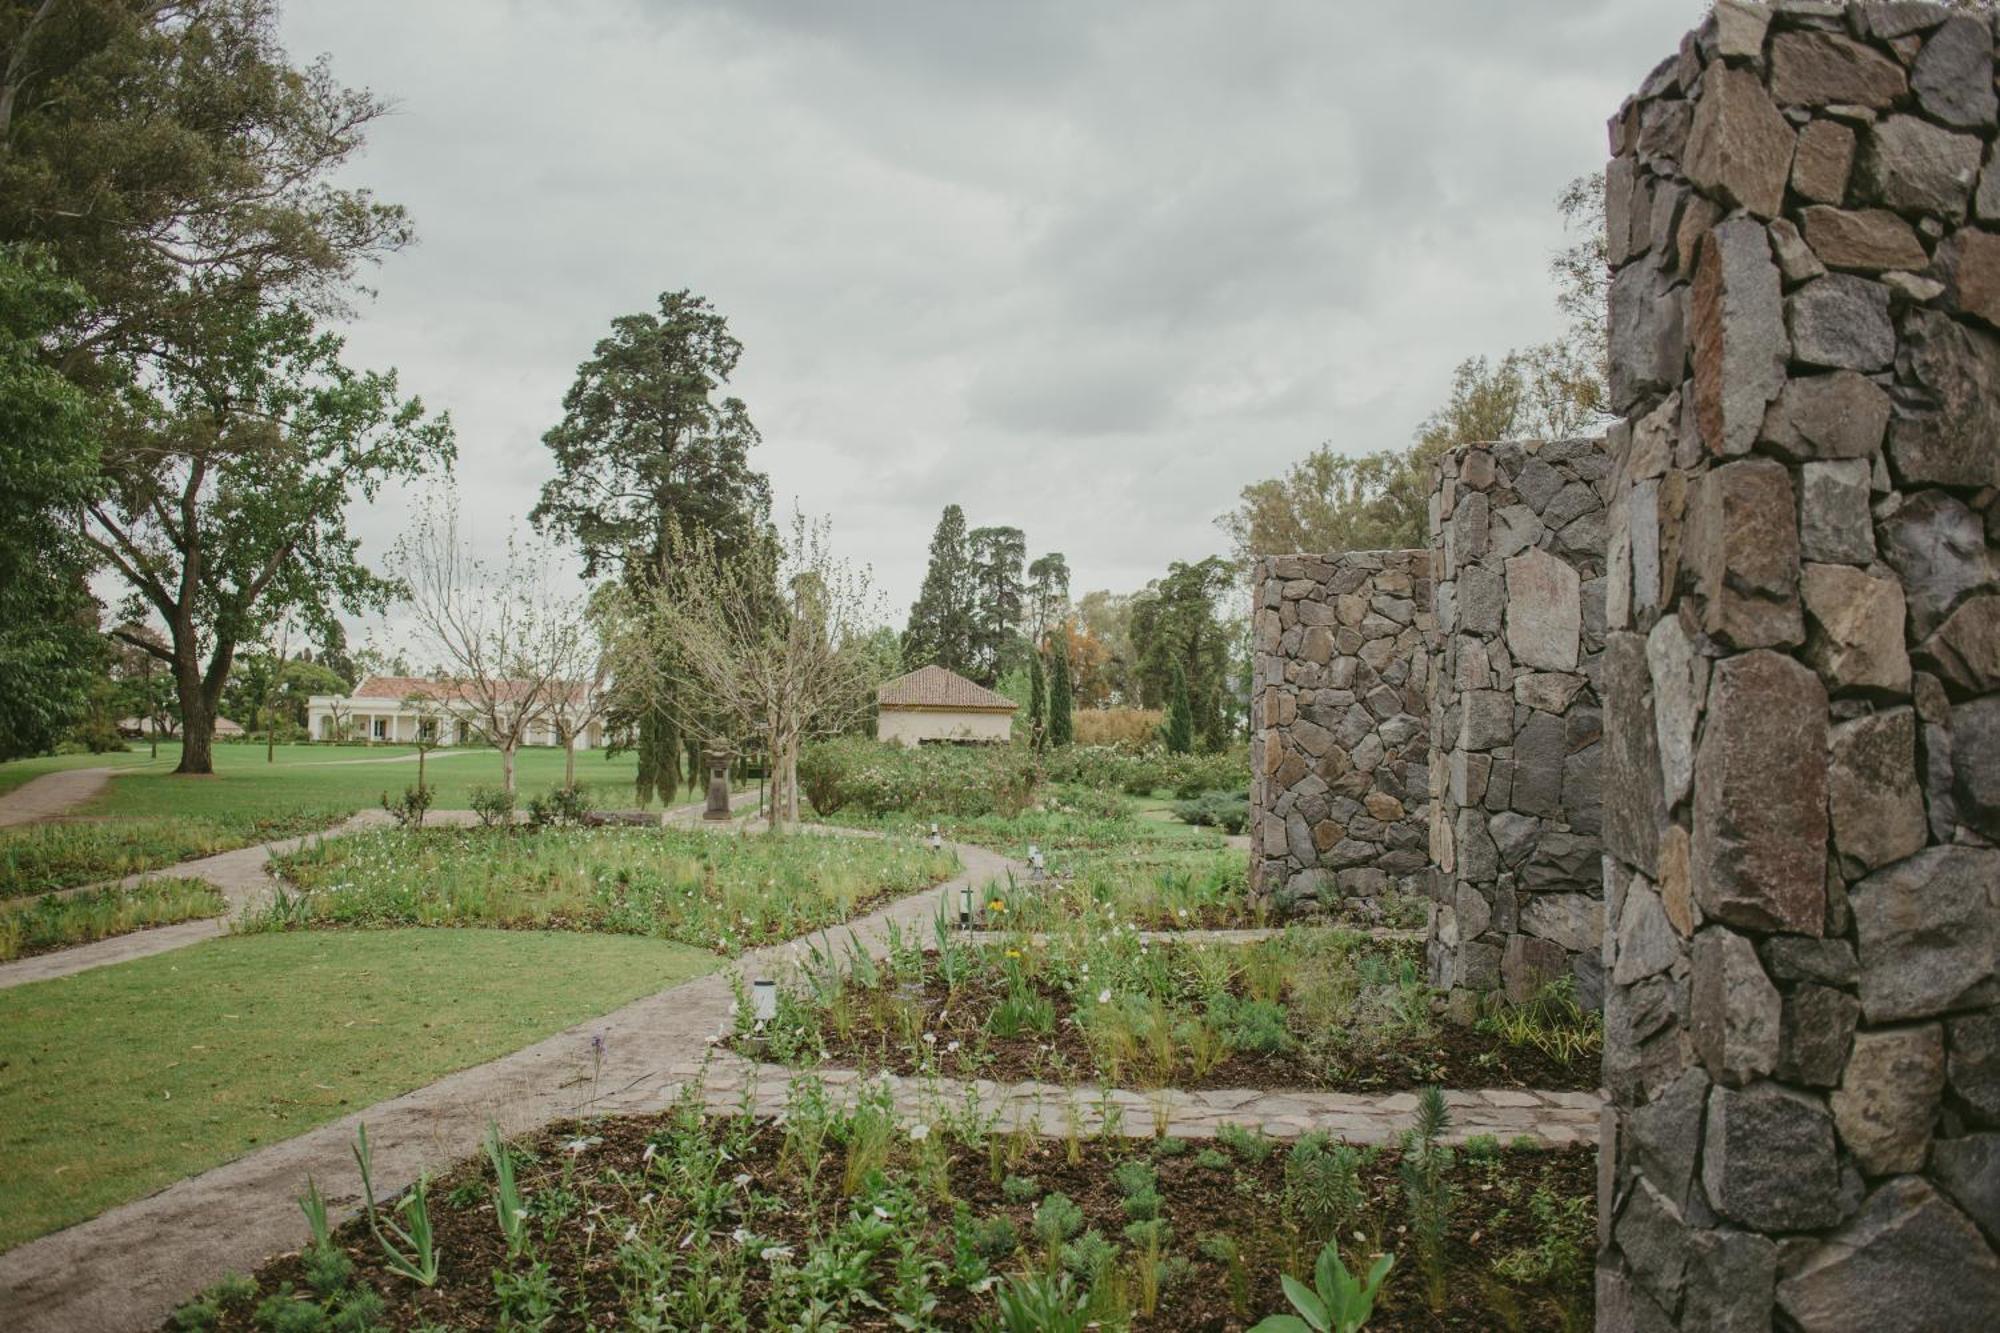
x=934 y=706
x=400 y=709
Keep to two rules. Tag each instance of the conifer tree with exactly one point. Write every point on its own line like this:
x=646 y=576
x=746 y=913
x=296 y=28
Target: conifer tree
x=941 y=625
x=1178 y=731
x=1038 y=692
x=1061 y=730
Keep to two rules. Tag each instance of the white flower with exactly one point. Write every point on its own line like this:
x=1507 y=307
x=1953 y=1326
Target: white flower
x=930 y=1039
x=631 y=1233
x=652 y=1151
x=951 y=1046
x=1104 y=996
x=918 y=1133
x=741 y=1180
x=578 y=1147
x=740 y=1235
x=771 y=1253
x=881 y=1212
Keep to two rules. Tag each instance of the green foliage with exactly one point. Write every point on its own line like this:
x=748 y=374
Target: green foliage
x=1323 y=1194
x=1428 y=1192
x=409 y=809
x=560 y=807
x=1038 y=702
x=1226 y=810
x=868 y=777
x=1062 y=727
x=1037 y=1303
x=994 y=1239
x=507 y=1205
x=1551 y=1021
x=941 y=628
x=37 y=858
x=1020 y=1189
x=1337 y=1302
x=411 y=1251
x=1252 y=1145
x=1178 y=621
x=45 y=923
x=1057 y=1218
x=493 y=805
x=1565 y=1228
x=1142 y=772
x=995 y=557
x=49 y=459
x=1178 y=733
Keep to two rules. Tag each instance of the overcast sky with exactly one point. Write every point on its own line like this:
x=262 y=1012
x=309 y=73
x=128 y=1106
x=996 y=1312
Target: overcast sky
x=1084 y=268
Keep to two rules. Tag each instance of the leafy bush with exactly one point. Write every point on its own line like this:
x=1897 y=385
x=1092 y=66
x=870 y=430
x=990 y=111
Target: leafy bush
x=493 y=805
x=562 y=807
x=1143 y=771
x=1131 y=727
x=941 y=780
x=1226 y=810
x=1337 y=1302
x=409 y=809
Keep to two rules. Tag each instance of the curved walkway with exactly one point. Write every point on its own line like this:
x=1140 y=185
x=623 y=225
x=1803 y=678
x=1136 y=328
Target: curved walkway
x=51 y=795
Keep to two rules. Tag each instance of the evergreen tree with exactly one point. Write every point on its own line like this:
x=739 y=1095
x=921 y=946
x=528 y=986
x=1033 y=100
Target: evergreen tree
x=1178 y=732
x=1000 y=600
x=1175 y=625
x=1037 y=701
x=941 y=621
x=1061 y=730
x=647 y=454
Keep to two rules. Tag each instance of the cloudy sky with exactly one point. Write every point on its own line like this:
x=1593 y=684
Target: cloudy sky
x=1085 y=268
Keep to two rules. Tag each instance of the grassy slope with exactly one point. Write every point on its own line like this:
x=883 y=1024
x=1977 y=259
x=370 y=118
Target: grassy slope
x=118 y=1082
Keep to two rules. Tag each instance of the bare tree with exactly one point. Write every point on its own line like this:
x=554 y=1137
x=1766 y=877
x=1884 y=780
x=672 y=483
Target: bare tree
x=771 y=646
x=581 y=693
x=503 y=635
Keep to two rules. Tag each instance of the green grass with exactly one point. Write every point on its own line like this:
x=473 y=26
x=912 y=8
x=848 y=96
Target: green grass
x=36 y=858
x=17 y=772
x=710 y=890
x=117 y=1082
x=57 y=923
x=321 y=780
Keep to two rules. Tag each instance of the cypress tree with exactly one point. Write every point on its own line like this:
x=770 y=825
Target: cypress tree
x=1061 y=732
x=1178 y=731
x=1038 y=693
x=941 y=628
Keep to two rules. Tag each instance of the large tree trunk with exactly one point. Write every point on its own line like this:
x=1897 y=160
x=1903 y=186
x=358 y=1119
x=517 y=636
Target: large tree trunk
x=197 y=714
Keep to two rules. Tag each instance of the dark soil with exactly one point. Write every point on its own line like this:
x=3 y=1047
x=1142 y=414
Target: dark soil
x=1448 y=1055
x=1238 y=1199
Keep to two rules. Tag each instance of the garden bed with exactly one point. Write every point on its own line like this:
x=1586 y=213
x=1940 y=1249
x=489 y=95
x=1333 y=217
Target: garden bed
x=46 y=924
x=41 y=858
x=838 y=1218
x=1306 y=1009
x=714 y=891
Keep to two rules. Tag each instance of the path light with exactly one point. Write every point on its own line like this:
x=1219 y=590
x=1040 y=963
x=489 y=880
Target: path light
x=1035 y=862
x=965 y=907
x=937 y=839
x=763 y=1001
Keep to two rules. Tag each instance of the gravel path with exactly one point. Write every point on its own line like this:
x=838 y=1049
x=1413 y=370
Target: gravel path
x=51 y=795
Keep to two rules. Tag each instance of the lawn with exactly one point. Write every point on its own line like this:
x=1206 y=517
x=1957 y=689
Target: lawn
x=839 y=1218
x=117 y=1082
x=711 y=890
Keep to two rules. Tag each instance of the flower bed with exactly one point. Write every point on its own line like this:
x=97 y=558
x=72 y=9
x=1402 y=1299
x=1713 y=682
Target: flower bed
x=1321 y=1009
x=706 y=889
x=842 y=1218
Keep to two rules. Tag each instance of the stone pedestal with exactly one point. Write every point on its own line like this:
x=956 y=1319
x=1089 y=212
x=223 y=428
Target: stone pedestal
x=1339 y=774
x=1801 y=678
x=718 y=788
x=1517 y=550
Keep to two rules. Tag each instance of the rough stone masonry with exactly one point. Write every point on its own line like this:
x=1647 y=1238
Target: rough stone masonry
x=1801 y=678
x=1338 y=745
x=1518 y=534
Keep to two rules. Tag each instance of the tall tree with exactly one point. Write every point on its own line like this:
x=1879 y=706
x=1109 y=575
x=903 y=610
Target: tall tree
x=1178 y=729
x=999 y=600
x=48 y=640
x=1176 y=624
x=1038 y=700
x=649 y=447
x=1048 y=592
x=941 y=628
x=1062 y=728
x=228 y=485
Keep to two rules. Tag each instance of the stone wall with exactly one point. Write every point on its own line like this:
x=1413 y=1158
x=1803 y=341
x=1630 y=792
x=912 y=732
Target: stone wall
x=1518 y=550
x=1338 y=742
x=1801 y=679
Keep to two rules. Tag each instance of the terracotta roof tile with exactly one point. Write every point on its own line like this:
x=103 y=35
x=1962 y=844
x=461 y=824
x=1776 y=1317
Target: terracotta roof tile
x=935 y=687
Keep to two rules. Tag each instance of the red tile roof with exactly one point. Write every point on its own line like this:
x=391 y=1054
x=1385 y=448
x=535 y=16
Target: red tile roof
x=935 y=687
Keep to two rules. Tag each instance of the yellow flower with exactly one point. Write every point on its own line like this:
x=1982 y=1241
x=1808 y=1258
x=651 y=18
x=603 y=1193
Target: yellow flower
x=1013 y=953
x=996 y=906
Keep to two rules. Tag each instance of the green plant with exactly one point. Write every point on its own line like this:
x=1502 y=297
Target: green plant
x=411 y=1252
x=507 y=1205
x=1057 y=1218
x=1323 y=1196
x=1428 y=1192
x=1226 y=810
x=408 y=810
x=560 y=807
x=1039 y=1303
x=527 y=1299
x=1561 y=1253
x=1336 y=1302
x=1020 y=1189
x=993 y=1239
x=1552 y=1021
x=493 y=805
x=1252 y=1145
x=1209 y=1159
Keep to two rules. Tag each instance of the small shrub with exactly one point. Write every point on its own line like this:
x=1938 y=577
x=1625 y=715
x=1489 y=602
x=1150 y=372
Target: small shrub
x=1020 y=1189
x=493 y=805
x=409 y=809
x=994 y=1239
x=1226 y=810
x=936 y=780
x=1088 y=1257
x=1249 y=1144
x=1337 y=1302
x=1057 y=1218
x=1210 y=1159
x=560 y=807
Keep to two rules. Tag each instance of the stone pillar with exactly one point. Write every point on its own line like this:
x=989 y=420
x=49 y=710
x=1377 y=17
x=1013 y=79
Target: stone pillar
x=1517 y=546
x=718 y=787
x=1802 y=679
x=1338 y=744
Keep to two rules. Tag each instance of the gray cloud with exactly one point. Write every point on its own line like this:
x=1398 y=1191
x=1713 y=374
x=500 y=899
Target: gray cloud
x=1084 y=268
